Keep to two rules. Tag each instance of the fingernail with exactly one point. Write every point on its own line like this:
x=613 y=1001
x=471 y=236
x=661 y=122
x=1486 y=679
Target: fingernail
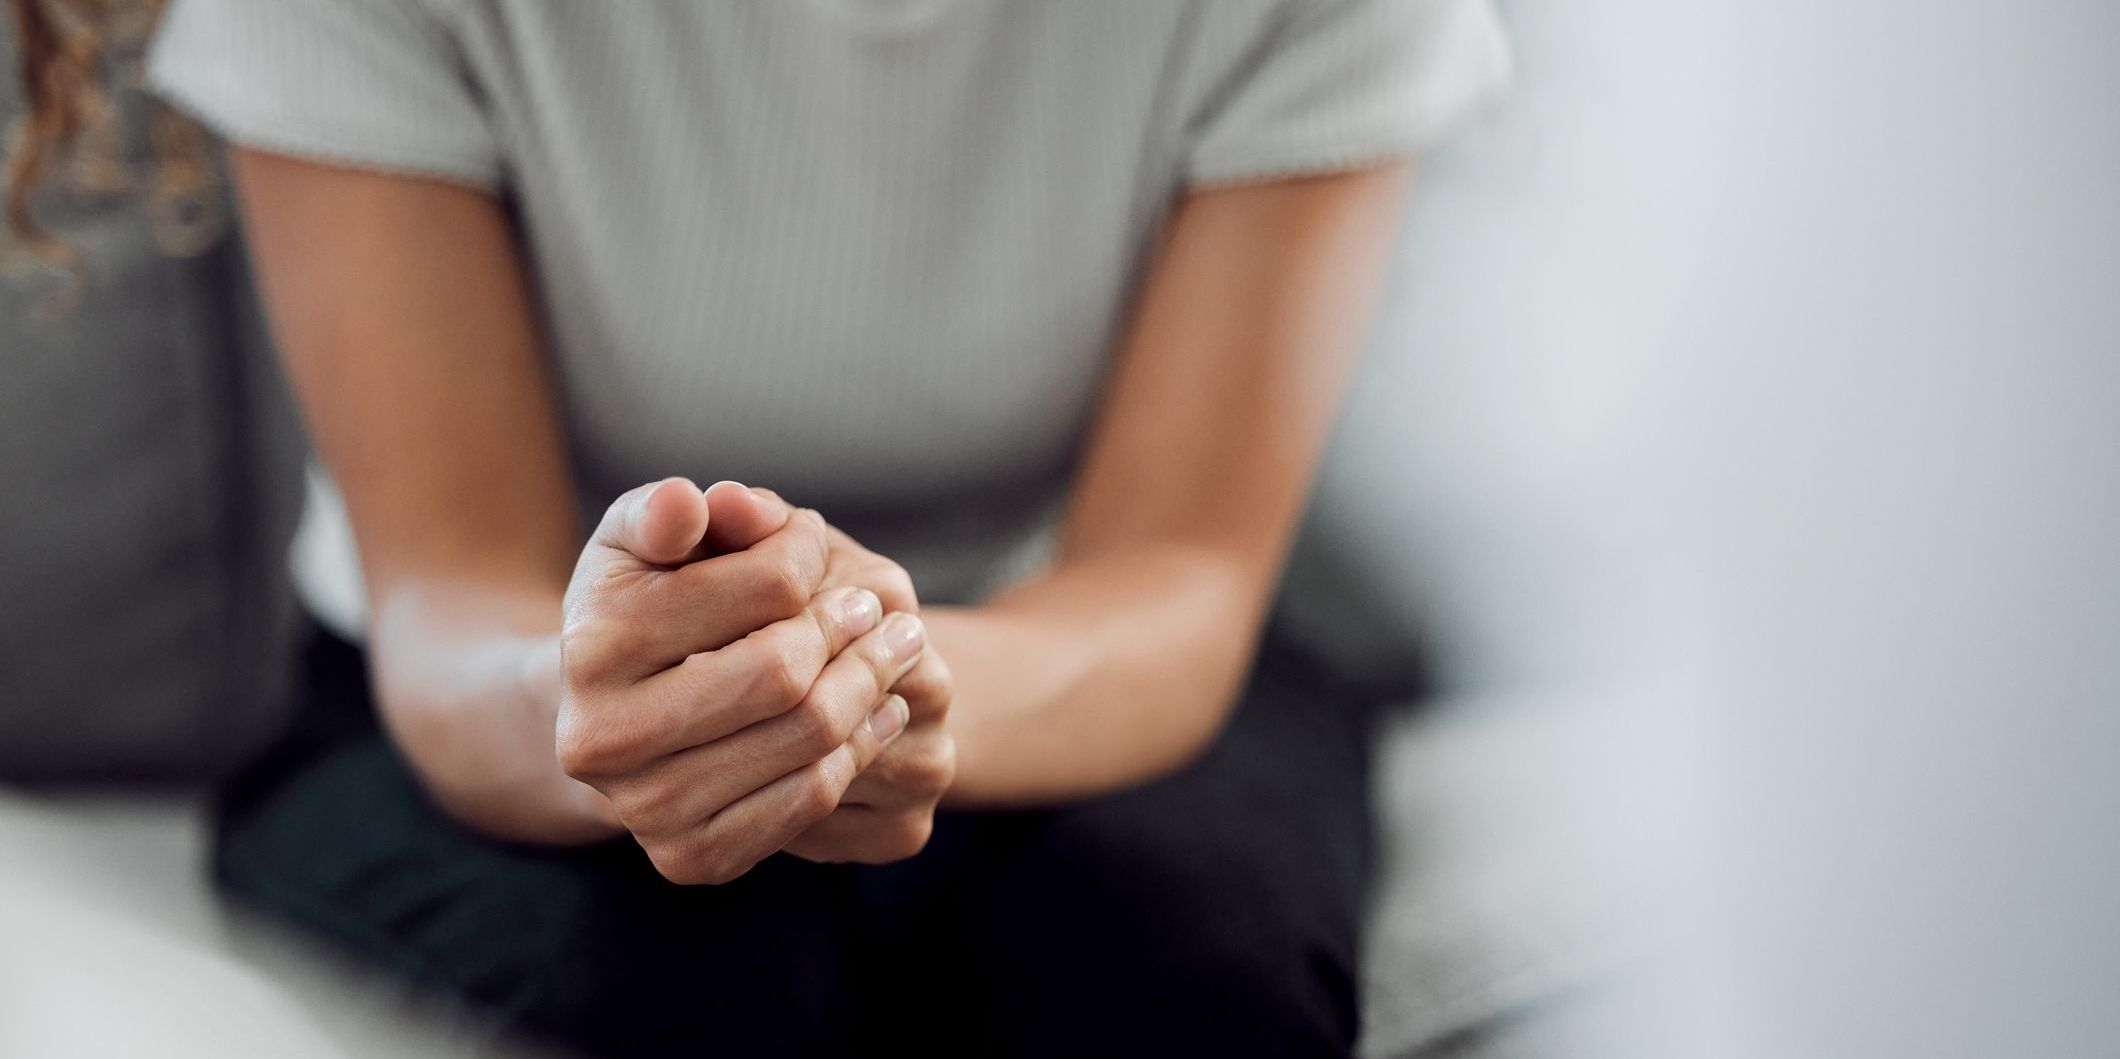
x=903 y=635
x=859 y=609
x=890 y=718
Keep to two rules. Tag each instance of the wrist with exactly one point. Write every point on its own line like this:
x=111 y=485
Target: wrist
x=480 y=739
x=502 y=785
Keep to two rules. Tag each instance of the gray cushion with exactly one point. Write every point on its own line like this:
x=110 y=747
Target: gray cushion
x=1500 y=889
x=151 y=479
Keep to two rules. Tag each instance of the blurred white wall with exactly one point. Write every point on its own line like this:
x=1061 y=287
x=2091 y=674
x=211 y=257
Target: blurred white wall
x=1754 y=377
x=1901 y=358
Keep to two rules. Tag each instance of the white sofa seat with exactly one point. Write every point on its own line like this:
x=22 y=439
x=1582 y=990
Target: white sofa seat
x=116 y=945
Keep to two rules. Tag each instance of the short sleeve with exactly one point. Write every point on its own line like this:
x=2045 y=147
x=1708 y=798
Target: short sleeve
x=371 y=84
x=1337 y=84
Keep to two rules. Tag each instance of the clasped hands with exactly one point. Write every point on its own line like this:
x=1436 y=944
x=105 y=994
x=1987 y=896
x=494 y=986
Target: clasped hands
x=740 y=678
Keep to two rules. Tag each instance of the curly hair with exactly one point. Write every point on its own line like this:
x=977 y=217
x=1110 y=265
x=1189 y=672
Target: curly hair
x=74 y=57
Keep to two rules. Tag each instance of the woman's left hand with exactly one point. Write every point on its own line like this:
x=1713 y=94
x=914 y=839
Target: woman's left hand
x=889 y=810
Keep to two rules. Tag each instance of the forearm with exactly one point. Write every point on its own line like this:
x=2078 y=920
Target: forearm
x=1105 y=673
x=1121 y=664
x=405 y=319
x=467 y=681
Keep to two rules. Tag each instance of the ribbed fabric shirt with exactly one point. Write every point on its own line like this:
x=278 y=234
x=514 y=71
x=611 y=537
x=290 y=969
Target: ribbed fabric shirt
x=874 y=254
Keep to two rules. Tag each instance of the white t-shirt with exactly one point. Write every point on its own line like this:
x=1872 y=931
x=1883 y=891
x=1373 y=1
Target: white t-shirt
x=873 y=254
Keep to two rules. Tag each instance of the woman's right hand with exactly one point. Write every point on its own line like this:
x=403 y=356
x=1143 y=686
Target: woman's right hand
x=719 y=701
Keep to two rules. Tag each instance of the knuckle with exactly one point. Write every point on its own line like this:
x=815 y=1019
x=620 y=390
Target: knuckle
x=787 y=585
x=883 y=670
x=816 y=538
x=928 y=688
x=674 y=861
x=905 y=834
x=589 y=748
x=943 y=679
x=683 y=864
x=721 y=869
x=889 y=766
x=694 y=861
x=646 y=808
x=940 y=698
x=578 y=758
x=782 y=686
x=814 y=850
x=922 y=767
x=704 y=676
x=592 y=646
x=895 y=587
x=817 y=797
x=689 y=876
x=933 y=766
x=817 y=730
x=777 y=673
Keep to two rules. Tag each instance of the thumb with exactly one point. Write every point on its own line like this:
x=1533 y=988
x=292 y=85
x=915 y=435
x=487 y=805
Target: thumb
x=657 y=523
x=742 y=517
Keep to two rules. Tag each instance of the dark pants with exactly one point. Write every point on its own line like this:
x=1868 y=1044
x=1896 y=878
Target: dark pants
x=1216 y=912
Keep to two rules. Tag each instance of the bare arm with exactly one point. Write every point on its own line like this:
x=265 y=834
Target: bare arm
x=405 y=322
x=1121 y=662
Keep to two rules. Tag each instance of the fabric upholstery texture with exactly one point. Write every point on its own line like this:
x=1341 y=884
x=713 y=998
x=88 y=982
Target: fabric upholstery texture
x=151 y=463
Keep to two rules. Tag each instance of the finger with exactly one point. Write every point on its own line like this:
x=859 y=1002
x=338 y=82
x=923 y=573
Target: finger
x=657 y=523
x=885 y=725
x=915 y=770
x=725 y=597
x=623 y=630
x=859 y=677
x=644 y=526
x=849 y=703
x=741 y=517
x=928 y=687
x=771 y=497
x=739 y=513
x=862 y=834
x=717 y=693
x=757 y=825
x=707 y=697
x=849 y=563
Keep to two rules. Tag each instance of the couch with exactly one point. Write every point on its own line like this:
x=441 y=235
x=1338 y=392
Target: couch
x=1445 y=526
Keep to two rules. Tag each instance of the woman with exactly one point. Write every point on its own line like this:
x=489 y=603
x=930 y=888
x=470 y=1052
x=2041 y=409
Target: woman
x=941 y=272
